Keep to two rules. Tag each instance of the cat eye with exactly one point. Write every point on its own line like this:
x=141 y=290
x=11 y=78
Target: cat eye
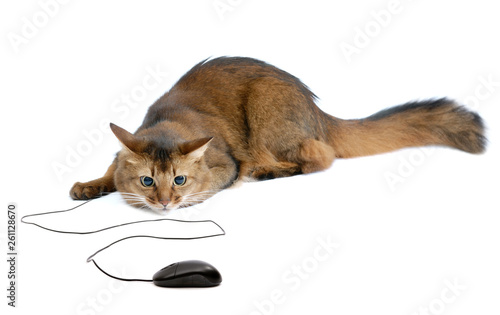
x=147 y=181
x=179 y=180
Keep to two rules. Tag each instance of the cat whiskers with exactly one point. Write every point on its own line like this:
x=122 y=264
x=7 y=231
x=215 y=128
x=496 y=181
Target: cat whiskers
x=140 y=201
x=198 y=197
x=211 y=192
x=134 y=199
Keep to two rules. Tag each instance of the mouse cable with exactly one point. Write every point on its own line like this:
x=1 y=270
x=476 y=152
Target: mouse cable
x=91 y=259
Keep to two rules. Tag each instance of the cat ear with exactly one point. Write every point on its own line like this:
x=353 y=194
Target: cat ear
x=126 y=138
x=196 y=148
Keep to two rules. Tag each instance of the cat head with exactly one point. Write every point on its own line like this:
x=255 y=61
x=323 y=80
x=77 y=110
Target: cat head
x=161 y=174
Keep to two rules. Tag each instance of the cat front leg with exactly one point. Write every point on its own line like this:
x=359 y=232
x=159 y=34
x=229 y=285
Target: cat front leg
x=95 y=188
x=223 y=170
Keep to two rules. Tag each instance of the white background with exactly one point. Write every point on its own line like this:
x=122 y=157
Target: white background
x=402 y=243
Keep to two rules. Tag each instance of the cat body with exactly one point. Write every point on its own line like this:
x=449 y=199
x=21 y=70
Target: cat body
x=231 y=118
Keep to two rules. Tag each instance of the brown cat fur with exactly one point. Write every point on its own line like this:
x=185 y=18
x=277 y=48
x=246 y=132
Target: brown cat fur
x=232 y=118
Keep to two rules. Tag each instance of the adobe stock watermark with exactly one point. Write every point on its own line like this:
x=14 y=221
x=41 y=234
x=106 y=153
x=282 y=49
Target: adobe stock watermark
x=98 y=302
x=222 y=7
x=296 y=275
x=123 y=105
x=363 y=36
x=409 y=161
x=448 y=296
x=31 y=26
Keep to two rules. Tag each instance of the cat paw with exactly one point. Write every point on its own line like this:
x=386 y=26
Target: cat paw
x=88 y=190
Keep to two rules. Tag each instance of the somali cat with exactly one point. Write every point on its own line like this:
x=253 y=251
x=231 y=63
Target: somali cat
x=231 y=118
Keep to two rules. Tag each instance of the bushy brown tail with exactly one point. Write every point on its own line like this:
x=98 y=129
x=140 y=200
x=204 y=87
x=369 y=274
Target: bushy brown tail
x=432 y=122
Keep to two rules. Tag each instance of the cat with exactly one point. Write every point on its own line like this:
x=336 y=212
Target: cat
x=230 y=119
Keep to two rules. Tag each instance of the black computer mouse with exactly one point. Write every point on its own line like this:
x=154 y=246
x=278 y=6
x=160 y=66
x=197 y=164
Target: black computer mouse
x=189 y=273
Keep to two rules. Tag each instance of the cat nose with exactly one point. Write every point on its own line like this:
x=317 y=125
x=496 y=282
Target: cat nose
x=164 y=202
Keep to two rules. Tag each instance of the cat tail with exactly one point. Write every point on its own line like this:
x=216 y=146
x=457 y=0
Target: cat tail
x=431 y=122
